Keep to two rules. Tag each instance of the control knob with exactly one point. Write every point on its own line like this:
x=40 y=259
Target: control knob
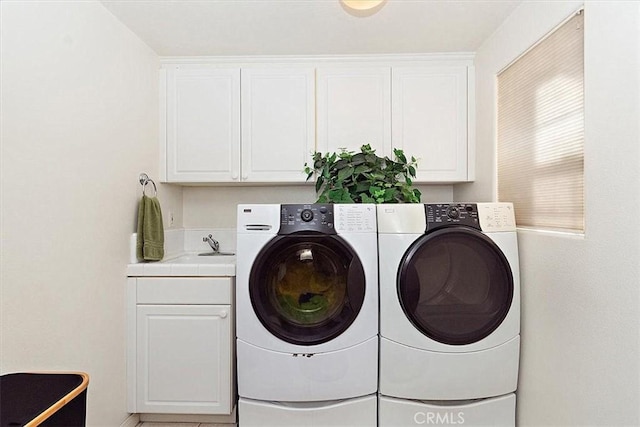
x=306 y=215
x=453 y=212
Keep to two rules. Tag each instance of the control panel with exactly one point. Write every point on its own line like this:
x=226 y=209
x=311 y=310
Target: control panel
x=355 y=218
x=440 y=215
x=496 y=217
x=307 y=217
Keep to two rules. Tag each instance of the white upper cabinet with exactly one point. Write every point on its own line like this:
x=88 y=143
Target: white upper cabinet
x=232 y=125
x=278 y=123
x=202 y=125
x=430 y=120
x=259 y=121
x=354 y=108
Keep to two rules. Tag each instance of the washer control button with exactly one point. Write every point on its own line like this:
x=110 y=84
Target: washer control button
x=306 y=215
x=453 y=212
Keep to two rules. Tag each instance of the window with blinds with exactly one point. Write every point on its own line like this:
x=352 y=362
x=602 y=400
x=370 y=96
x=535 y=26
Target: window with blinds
x=541 y=131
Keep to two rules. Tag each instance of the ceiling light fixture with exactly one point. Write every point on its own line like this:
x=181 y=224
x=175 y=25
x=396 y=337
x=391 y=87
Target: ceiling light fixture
x=362 y=4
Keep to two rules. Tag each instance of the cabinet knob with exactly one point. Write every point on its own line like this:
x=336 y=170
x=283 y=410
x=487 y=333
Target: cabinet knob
x=223 y=314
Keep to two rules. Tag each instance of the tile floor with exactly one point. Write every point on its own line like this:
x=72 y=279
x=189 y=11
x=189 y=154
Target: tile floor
x=157 y=424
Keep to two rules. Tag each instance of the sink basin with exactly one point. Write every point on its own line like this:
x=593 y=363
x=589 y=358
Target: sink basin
x=217 y=254
x=197 y=259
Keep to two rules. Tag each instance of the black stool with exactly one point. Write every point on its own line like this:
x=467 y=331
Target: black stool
x=56 y=399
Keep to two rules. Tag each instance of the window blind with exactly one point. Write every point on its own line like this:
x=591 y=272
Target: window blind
x=541 y=131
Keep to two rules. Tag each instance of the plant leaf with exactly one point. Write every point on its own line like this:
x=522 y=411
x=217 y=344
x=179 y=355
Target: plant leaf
x=362 y=187
x=400 y=155
x=361 y=169
x=367 y=199
x=390 y=193
x=345 y=173
x=358 y=159
x=364 y=177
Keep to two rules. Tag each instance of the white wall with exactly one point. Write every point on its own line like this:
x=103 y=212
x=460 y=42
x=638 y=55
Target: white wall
x=580 y=359
x=79 y=123
x=216 y=206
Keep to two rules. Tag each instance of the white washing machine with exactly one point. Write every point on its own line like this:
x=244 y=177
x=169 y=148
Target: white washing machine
x=307 y=315
x=449 y=310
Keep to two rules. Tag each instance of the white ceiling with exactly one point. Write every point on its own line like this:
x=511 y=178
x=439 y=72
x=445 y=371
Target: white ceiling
x=309 y=27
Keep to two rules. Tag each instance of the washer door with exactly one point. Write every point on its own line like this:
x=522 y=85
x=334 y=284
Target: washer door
x=455 y=285
x=307 y=288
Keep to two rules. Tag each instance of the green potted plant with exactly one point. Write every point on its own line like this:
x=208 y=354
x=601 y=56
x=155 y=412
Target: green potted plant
x=364 y=177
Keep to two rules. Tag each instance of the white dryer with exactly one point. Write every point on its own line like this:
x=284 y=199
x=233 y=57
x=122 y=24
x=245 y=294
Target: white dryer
x=307 y=314
x=449 y=308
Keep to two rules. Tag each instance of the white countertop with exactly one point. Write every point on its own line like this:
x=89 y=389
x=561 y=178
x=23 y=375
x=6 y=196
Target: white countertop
x=186 y=264
x=182 y=248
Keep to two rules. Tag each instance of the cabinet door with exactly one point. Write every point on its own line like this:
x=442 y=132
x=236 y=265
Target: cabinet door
x=184 y=359
x=430 y=120
x=354 y=108
x=278 y=128
x=203 y=125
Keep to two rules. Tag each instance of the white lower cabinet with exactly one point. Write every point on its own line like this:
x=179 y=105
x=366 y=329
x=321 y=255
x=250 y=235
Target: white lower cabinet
x=180 y=349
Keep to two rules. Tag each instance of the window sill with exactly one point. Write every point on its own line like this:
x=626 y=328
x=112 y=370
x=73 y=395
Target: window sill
x=577 y=235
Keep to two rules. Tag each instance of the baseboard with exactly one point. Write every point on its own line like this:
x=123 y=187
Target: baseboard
x=132 y=421
x=189 y=418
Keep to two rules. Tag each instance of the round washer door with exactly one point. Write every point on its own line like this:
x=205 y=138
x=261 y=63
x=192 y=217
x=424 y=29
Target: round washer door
x=307 y=289
x=455 y=285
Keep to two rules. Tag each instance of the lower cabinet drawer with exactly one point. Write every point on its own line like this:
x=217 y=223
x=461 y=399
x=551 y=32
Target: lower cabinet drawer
x=180 y=290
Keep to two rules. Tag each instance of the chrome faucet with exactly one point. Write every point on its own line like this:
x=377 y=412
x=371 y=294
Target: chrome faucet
x=215 y=245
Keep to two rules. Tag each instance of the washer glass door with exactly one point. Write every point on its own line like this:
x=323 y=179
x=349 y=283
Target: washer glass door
x=455 y=285
x=307 y=288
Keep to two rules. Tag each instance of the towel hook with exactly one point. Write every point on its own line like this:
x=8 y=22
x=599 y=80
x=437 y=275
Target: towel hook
x=144 y=180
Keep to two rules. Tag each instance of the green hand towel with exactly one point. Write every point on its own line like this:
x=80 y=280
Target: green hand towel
x=150 y=239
